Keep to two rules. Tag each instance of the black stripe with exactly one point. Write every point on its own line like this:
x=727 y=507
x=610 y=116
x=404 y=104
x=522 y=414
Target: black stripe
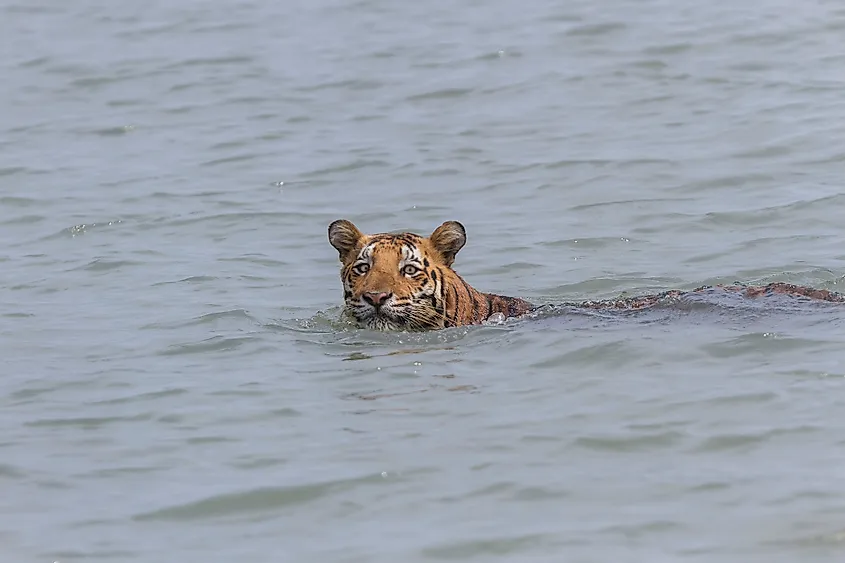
x=489 y=305
x=407 y=238
x=455 y=308
x=439 y=294
x=437 y=274
x=475 y=301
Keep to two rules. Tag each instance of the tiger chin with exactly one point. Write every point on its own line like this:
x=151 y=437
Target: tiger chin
x=405 y=281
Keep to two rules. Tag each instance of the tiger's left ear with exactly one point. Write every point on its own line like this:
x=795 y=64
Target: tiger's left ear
x=448 y=239
x=344 y=236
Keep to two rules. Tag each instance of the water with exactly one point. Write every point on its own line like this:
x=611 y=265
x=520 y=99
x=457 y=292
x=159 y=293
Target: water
x=175 y=383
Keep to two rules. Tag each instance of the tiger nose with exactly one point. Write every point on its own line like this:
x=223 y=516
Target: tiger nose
x=376 y=298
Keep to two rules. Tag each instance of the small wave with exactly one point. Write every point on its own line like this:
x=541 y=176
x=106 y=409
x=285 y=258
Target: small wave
x=214 y=344
x=256 y=500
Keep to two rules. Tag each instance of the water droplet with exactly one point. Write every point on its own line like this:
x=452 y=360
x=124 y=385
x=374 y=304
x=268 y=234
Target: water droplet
x=496 y=318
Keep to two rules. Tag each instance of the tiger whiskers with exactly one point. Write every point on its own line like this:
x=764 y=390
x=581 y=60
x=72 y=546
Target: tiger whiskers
x=425 y=319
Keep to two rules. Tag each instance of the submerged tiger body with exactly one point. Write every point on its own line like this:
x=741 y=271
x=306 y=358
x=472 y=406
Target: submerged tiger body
x=405 y=281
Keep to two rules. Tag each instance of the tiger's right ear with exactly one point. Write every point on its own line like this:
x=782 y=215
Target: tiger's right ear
x=344 y=236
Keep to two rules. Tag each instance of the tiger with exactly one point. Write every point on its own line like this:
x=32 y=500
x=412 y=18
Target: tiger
x=406 y=282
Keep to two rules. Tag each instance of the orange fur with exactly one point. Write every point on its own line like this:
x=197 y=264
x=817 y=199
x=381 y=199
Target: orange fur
x=404 y=281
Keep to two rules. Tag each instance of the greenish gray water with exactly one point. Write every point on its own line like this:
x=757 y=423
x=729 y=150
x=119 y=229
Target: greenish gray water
x=175 y=385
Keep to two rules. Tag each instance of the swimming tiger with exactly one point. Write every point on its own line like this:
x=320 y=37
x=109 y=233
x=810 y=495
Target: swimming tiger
x=404 y=281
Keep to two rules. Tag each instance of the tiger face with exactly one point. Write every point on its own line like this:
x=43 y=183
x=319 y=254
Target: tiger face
x=395 y=281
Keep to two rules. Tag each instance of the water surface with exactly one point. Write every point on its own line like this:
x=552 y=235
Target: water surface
x=175 y=382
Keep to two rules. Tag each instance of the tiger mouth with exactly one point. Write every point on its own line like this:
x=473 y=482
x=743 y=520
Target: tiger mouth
x=378 y=320
x=385 y=319
x=367 y=315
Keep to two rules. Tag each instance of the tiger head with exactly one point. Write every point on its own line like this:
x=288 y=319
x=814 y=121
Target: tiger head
x=396 y=281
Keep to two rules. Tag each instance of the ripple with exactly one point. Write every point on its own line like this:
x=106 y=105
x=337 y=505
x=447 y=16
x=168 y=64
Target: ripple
x=231 y=159
x=506 y=545
x=836 y=538
x=643 y=529
x=595 y=29
x=209 y=318
x=224 y=219
x=256 y=500
x=104 y=265
x=757 y=343
x=733 y=398
x=13 y=200
x=353 y=85
x=648 y=442
x=83 y=228
x=610 y=353
x=747 y=441
x=189 y=279
x=114 y=131
x=710 y=486
x=259 y=463
x=120 y=473
x=35 y=62
x=445 y=93
x=140 y=397
x=200 y=440
x=24 y=220
x=104 y=554
x=348 y=167
x=10 y=472
x=213 y=344
x=88 y=423
x=211 y=61
x=16 y=315
x=669 y=49
x=538 y=494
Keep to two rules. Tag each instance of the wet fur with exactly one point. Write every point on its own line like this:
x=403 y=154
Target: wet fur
x=433 y=297
x=436 y=297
